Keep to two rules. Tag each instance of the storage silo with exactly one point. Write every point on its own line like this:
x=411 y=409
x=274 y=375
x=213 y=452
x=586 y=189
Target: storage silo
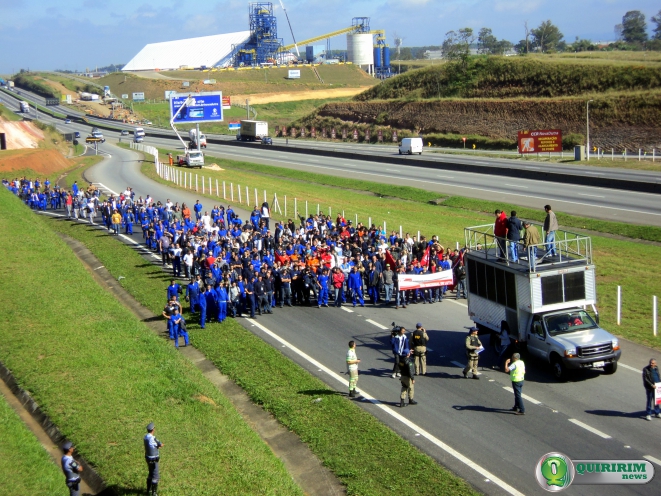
x=386 y=56
x=360 y=50
x=377 y=57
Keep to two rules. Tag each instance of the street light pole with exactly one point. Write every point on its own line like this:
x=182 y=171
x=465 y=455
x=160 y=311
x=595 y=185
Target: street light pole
x=587 y=125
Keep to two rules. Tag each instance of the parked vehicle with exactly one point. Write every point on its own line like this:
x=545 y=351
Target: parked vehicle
x=192 y=158
x=192 y=136
x=252 y=130
x=411 y=146
x=542 y=299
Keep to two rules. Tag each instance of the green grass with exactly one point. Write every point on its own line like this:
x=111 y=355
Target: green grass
x=409 y=208
x=367 y=456
x=25 y=466
x=76 y=172
x=101 y=375
x=9 y=114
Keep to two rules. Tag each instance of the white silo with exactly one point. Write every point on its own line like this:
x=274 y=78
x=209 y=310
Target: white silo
x=360 y=50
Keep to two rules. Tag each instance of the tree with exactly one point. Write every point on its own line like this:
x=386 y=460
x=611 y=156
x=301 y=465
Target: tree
x=633 y=28
x=657 y=30
x=486 y=41
x=581 y=46
x=456 y=46
x=503 y=46
x=547 y=37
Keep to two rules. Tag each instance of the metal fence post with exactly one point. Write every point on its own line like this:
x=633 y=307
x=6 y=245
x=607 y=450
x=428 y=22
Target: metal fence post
x=202 y=184
x=217 y=193
x=232 y=191
x=654 y=313
x=224 y=192
x=195 y=182
x=619 y=304
x=238 y=188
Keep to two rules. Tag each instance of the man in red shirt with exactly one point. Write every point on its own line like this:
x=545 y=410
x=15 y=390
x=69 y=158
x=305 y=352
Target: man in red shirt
x=500 y=232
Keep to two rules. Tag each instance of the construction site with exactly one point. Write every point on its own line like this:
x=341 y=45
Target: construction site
x=262 y=47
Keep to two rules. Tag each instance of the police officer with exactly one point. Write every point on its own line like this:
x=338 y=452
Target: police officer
x=517 y=370
x=419 y=340
x=473 y=344
x=152 y=456
x=407 y=370
x=352 y=367
x=71 y=469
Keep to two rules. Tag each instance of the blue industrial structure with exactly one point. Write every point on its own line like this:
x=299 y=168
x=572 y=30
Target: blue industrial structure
x=264 y=45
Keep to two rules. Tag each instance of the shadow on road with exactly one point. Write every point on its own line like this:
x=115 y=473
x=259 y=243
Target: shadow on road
x=482 y=409
x=615 y=413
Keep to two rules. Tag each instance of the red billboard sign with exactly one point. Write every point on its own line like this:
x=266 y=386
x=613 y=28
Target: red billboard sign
x=227 y=103
x=544 y=140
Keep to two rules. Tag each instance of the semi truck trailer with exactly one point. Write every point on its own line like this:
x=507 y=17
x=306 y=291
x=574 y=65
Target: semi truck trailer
x=252 y=130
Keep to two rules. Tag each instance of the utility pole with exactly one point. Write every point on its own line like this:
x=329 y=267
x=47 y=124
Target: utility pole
x=248 y=108
x=587 y=125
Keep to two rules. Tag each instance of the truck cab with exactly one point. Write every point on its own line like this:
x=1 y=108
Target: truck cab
x=542 y=299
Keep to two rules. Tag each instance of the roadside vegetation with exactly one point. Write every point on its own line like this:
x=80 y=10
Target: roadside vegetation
x=101 y=375
x=410 y=208
x=25 y=466
x=9 y=114
x=30 y=81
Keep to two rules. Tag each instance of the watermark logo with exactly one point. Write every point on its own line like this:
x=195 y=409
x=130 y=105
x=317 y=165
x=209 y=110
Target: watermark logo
x=556 y=472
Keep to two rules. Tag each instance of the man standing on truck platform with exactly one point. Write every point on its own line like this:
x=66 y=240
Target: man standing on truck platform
x=650 y=378
x=530 y=240
x=500 y=232
x=473 y=344
x=550 y=227
x=514 y=228
x=517 y=370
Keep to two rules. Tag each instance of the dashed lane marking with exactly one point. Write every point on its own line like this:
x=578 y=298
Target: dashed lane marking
x=652 y=459
x=591 y=429
x=628 y=367
x=400 y=418
x=103 y=186
x=524 y=396
x=376 y=324
x=347 y=309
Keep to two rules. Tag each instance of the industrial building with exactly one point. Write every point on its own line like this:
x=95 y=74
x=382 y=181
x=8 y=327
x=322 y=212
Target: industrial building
x=261 y=47
x=209 y=51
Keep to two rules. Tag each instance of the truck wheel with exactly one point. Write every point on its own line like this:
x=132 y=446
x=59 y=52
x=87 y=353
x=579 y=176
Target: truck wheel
x=559 y=370
x=610 y=368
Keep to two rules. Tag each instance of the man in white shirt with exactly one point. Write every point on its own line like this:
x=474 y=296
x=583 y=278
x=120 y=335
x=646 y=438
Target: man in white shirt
x=352 y=367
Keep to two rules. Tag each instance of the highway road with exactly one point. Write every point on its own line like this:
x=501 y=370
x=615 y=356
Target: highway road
x=464 y=424
x=589 y=201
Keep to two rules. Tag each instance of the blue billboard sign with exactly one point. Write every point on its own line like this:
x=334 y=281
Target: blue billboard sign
x=202 y=107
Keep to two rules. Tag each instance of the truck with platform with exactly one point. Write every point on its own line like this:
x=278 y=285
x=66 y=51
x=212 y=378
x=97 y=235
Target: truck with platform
x=191 y=158
x=192 y=136
x=545 y=300
x=252 y=130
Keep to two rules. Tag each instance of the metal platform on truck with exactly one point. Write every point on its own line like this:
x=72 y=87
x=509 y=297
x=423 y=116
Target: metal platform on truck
x=571 y=250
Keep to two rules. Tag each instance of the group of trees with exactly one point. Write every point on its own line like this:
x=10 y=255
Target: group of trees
x=633 y=30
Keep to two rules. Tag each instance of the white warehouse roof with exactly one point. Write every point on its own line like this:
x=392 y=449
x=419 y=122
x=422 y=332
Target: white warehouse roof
x=195 y=52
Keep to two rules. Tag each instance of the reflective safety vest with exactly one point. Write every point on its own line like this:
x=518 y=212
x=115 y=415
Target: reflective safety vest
x=517 y=374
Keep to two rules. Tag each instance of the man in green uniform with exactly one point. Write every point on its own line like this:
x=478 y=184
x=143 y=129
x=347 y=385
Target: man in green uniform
x=473 y=345
x=352 y=366
x=407 y=370
x=419 y=340
x=517 y=370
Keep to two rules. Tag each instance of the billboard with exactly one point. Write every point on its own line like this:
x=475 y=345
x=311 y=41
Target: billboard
x=227 y=103
x=203 y=107
x=168 y=93
x=138 y=97
x=544 y=140
x=125 y=95
x=185 y=84
x=234 y=125
x=209 y=81
x=294 y=74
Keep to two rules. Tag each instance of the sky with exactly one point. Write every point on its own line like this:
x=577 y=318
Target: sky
x=79 y=34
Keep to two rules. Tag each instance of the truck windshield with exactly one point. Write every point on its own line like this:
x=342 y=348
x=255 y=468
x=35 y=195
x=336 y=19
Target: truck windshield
x=578 y=320
x=196 y=155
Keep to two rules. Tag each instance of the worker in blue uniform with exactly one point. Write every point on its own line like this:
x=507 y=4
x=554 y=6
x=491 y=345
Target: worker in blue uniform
x=179 y=328
x=173 y=290
x=202 y=305
x=355 y=285
x=193 y=294
x=322 y=281
x=221 y=302
x=71 y=469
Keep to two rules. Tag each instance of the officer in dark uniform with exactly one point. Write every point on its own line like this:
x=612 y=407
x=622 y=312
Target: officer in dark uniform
x=260 y=294
x=250 y=296
x=419 y=340
x=71 y=469
x=152 y=456
x=407 y=370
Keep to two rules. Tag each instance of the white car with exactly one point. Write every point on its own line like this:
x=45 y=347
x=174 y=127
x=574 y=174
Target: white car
x=138 y=139
x=124 y=132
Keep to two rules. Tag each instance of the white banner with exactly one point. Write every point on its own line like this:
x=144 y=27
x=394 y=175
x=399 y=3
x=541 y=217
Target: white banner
x=423 y=281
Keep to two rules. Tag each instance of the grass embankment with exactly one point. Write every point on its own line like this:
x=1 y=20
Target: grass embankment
x=628 y=264
x=102 y=375
x=9 y=114
x=25 y=466
x=367 y=456
x=31 y=82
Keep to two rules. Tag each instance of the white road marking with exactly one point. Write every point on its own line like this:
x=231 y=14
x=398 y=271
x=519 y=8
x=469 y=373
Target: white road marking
x=445 y=177
x=593 y=196
x=628 y=367
x=591 y=429
x=517 y=186
x=415 y=428
x=524 y=396
x=107 y=188
x=462 y=365
x=456 y=302
x=376 y=324
x=393 y=170
x=347 y=309
x=652 y=459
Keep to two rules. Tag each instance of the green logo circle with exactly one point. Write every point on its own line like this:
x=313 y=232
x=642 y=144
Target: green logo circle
x=554 y=472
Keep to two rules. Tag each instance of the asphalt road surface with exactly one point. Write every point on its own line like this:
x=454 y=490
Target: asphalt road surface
x=464 y=424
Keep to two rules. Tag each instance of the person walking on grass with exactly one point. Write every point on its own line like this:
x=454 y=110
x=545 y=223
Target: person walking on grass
x=352 y=366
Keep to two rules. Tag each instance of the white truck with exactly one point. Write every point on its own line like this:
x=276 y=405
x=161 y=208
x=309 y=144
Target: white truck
x=25 y=107
x=138 y=131
x=252 y=130
x=192 y=136
x=542 y=300
x=191 y=158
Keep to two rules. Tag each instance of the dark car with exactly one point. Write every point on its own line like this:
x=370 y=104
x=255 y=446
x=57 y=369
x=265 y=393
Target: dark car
x=76 y=134
x=267 y=140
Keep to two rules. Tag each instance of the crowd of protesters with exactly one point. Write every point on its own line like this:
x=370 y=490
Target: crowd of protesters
x=258 y=263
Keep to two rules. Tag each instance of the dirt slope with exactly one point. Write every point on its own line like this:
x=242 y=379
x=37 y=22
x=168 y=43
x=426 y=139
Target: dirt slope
x=21 y=134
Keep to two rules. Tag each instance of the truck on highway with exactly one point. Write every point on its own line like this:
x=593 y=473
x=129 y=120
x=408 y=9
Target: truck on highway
x=138 y=131
x=192 y=136
x=25 y=107
x=545 y=300
x=191 y=158
x=252 y=130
